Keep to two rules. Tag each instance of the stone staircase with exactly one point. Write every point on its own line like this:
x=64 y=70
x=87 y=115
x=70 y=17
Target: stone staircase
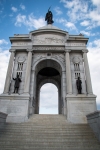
x=47 y=132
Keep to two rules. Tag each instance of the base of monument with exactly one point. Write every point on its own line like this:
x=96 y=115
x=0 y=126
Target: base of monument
x=16 y=106
x=79 y=106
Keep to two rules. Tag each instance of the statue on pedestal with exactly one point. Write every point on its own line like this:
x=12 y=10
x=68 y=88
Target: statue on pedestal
x=49 y=17
x=79 y=85
x=17 y=82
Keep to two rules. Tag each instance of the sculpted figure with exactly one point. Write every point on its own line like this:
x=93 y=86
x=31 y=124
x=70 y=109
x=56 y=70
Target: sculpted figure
x=49 y=17
x=79 y=85
x=17 y=82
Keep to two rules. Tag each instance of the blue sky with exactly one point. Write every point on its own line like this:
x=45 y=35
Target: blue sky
x=74 y=16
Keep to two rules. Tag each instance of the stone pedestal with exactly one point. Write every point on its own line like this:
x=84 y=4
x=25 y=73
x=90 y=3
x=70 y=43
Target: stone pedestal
x=94 y=122
x=79 y=106
x=16 y=106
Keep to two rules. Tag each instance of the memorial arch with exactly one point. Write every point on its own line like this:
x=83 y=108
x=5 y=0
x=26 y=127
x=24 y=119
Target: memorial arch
x=48 y=71
x=48 y=55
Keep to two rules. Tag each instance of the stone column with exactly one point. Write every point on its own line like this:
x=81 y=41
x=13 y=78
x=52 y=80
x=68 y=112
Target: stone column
x=9 y=73
x=87 y=73
x=68 y=73
x=28 y=73
x=63 y=88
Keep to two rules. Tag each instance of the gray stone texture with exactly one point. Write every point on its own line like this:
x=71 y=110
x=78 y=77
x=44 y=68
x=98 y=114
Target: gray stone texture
x=94 y=122
x=3 y=117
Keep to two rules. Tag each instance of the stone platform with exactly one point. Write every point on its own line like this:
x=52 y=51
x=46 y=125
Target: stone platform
x=47 y=132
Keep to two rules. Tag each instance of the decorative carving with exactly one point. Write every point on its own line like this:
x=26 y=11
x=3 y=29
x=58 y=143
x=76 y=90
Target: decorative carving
x=75 y=44
x=38 y=56
x=85 y=51
x=21 y=43
x=48 y=40
x=59 y=57
x=48 y=48
x=21 y=59
x=76 y=59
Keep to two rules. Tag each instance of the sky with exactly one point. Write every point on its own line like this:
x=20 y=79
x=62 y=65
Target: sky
x=73 y=16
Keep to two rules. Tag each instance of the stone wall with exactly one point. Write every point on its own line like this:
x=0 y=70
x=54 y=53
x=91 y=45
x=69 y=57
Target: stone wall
x=94 y=122
x=3 y=117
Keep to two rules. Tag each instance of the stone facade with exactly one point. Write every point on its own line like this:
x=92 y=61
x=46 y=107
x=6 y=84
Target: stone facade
x=48 y=47
x=3 y=117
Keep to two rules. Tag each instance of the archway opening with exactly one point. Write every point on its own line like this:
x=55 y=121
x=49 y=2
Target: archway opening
x=48 y=71
x=48 y=99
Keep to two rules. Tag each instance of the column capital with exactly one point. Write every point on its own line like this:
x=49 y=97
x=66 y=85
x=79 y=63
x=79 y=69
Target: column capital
x=85 y=50
x=67 y=50
x=29 y=50
x=12 y=50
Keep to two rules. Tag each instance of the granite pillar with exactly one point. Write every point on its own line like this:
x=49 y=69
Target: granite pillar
x=68 y=73
x=9 y=73
x=28 y=73
x=87 y=73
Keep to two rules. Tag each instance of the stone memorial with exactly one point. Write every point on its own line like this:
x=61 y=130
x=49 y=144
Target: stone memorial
x=32 y=55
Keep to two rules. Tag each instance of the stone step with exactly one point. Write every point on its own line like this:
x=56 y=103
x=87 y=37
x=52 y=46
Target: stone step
x=48 y=148
x=47 y=132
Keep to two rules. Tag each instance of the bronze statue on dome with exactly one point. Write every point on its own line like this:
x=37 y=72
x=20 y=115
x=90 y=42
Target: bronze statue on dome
x=49 y=17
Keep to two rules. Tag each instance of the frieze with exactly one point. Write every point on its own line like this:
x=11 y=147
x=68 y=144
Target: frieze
x=75 y=44
x=21 y=43
x=48 y=48
x=48 y=39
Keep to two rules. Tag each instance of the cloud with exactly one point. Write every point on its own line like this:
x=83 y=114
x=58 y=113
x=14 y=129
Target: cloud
x=76 y=9
x=87 y=33
x=85 y=23
x=94 y=63
x=83 y=10
x=14 y=9
x=2 y=41
x=96 y=2
x=70 y=25
x=22 y=6
x=67 y=24
x=58 y=11
x=49 y=99
x=4 y=59
x=29 y=21
x=95 y=17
